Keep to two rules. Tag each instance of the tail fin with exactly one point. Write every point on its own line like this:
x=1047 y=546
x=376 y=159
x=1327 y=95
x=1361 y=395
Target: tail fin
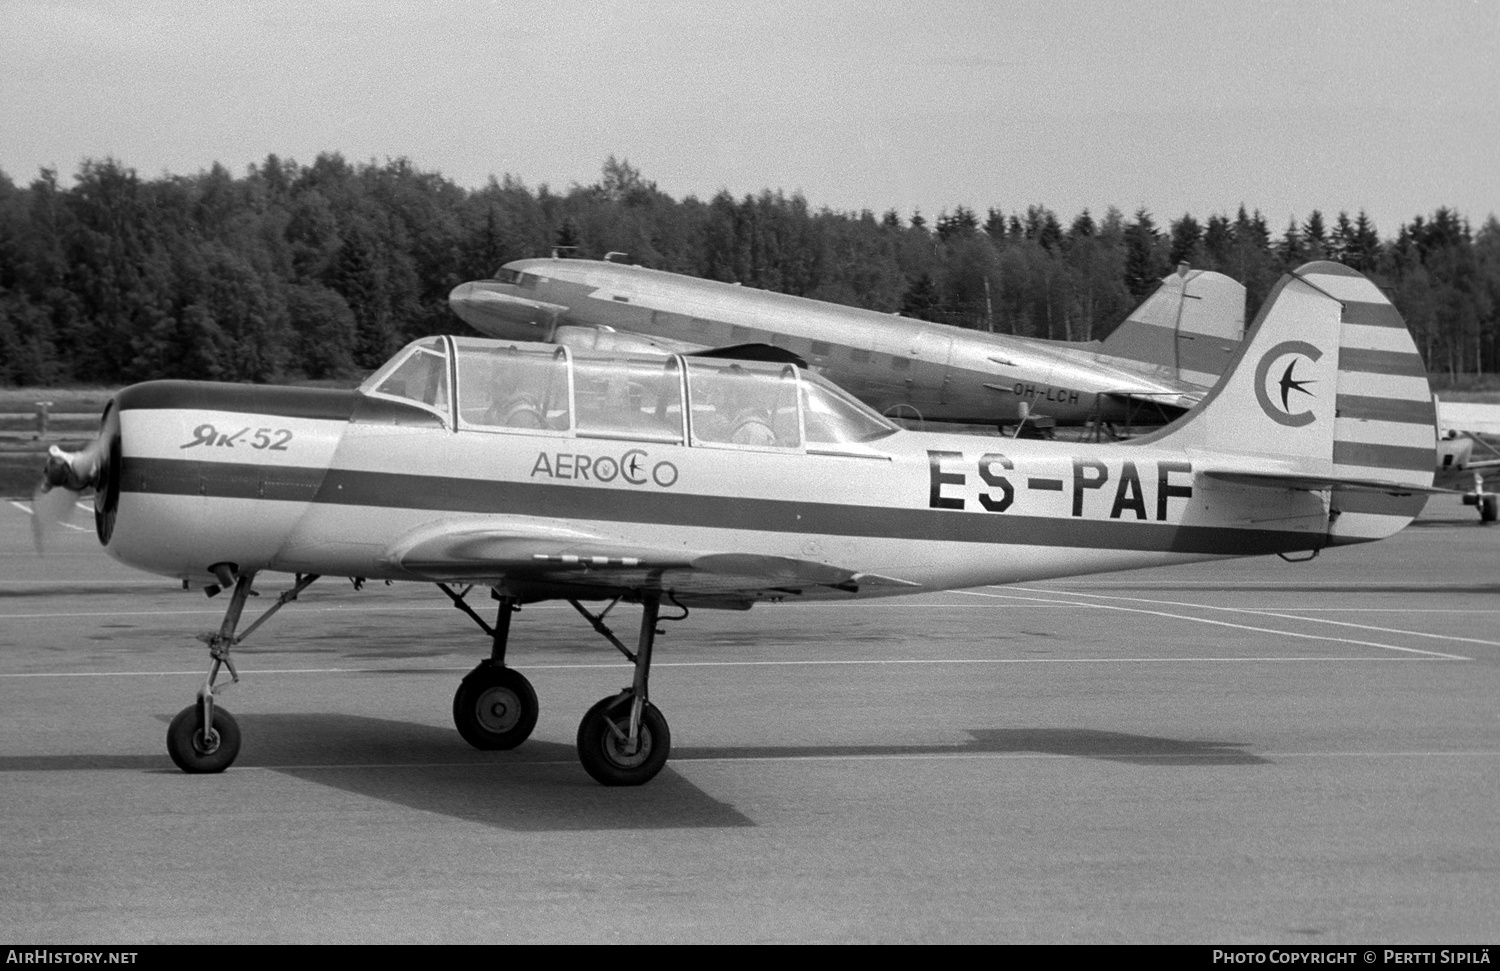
x=1188 y=330
x=1328 y=393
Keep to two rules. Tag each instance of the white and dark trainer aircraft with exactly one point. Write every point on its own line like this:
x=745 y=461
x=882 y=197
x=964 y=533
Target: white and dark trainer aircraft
x=1153 y=367
x=541 y=472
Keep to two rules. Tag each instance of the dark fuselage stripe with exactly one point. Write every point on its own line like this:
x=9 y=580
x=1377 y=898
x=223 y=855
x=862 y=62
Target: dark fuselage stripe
x=250 y=399
x=670 y=508
x=285 y=402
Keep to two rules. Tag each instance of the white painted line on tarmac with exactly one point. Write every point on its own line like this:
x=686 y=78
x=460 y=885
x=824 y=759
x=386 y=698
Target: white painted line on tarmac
x=219 y=612
x=1274 y=585
x=1224 y=623
x=873 y=662
x=676 y=760
x=302 y=609
x=164 y=585
x=27 y=510
x=1267 y=612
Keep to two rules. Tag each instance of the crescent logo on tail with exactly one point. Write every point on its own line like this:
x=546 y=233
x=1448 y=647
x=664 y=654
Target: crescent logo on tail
x=1283 y=383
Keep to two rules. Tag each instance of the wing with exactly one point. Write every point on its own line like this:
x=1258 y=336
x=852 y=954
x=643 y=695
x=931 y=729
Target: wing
x=548 y=559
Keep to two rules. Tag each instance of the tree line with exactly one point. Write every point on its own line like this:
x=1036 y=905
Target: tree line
x=320 y=271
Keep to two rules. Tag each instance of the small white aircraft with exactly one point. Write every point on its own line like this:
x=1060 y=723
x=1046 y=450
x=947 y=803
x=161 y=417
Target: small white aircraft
x=542 y=472
x=1468 y=456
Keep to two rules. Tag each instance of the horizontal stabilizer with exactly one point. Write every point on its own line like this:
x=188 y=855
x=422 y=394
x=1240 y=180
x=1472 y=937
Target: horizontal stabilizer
x=1317 y=483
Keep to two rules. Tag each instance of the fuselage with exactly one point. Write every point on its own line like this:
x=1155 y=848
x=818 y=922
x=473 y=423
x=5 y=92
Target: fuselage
x=902 y=367
x=339 y=482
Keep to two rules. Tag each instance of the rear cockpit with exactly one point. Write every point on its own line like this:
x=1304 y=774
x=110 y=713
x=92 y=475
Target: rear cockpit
x=477 y=385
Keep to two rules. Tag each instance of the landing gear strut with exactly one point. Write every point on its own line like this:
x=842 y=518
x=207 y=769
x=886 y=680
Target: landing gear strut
x=624 y=739
x=495 y=706
x=205 y=737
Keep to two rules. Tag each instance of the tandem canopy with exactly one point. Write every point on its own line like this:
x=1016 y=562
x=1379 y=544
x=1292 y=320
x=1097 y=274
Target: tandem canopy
x=481 y=385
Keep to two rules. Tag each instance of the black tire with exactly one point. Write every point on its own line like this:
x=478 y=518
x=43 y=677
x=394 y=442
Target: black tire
x=495 y=708
x=193 y=751
x=1489 y=507
x=601 y=750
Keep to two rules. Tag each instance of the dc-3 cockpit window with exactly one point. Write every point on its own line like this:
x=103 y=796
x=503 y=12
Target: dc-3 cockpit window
x=744 y=403
x=522 y=386
x=419 y=374
x=628 y=398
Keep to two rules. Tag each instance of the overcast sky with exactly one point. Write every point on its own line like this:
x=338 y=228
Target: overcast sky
x=1175 y=106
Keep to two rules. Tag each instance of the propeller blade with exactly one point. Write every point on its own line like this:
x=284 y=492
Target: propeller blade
x=64 y=478
x=50 y=507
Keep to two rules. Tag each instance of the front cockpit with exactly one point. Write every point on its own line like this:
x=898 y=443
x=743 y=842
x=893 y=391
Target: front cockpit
x=477 y=385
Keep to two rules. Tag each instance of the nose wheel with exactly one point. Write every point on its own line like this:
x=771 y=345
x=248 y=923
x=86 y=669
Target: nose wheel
x=197 y=746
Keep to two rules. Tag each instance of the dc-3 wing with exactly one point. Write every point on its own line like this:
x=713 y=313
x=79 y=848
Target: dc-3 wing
x=541 y=554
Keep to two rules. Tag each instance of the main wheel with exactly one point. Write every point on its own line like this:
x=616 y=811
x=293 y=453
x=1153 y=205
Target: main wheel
x=196 y=750
x=495 y=708
x=602 y=746
x=1489 y=507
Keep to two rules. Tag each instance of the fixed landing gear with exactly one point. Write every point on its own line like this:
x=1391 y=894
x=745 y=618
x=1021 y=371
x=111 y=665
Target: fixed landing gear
x=198 y=745
x=204 y=737
x=607 y=749
x=622 y=741
x=495 y=708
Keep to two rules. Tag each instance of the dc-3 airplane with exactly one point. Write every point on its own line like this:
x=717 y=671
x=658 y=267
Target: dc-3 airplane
x=1161 y=359
x=1152 y=368
x=544 y=472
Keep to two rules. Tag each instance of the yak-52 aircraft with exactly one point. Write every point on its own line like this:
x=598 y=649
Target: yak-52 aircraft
x=544 y=472
x=1152 y=368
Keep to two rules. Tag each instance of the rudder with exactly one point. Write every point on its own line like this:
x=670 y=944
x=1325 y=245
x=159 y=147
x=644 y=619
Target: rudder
x=1329 y=389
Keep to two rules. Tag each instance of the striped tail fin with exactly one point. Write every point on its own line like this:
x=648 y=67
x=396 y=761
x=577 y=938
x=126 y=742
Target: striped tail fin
x=1328 y=395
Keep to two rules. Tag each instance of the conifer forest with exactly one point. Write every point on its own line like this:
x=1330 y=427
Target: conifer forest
x=319 y=271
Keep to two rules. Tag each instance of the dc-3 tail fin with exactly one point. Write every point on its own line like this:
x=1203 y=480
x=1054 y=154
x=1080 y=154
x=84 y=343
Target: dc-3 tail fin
x=1188 y=330
x=1328 y=395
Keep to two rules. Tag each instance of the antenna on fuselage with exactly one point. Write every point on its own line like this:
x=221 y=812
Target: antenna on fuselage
x=610 y=256
x=557 y=251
